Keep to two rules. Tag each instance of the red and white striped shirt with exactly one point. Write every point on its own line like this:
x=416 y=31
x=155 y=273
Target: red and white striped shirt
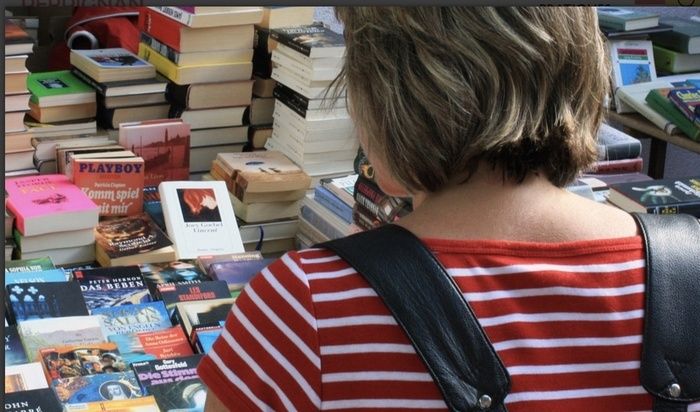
x=309 y=333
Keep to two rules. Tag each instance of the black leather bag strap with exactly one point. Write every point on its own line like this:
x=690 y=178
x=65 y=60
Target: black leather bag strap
x=434 y=314
x=670 y=365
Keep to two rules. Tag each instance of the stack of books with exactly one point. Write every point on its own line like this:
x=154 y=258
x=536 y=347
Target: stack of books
x=18 y=150
x=263 y=103
x=59 y=96
x=53 y=217
x=113 y=72
x=264 y=186
x=319 y=139
x=677 y=50
x=210 y=84
x=679 y=104
x=618 y=152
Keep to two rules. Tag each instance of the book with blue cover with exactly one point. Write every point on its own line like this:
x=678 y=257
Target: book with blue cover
x=41 y=300
x=48 y=275
x=95 y=388
x=238 y=273
x=14 y=352
x=331 y=202
x=140 y=317
x=114 y=286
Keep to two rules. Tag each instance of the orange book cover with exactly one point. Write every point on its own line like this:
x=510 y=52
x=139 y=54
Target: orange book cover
x=115 y=185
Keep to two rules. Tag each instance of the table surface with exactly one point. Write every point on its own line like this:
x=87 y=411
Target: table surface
x=639 y=123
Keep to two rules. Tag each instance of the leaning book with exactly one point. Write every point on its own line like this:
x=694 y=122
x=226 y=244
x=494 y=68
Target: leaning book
x=131 y=240
x=662 y=196
x=199 y=218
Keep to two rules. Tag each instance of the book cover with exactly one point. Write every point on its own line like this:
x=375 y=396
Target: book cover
x=41 y=300
x=158 y=344
x=14 y=352
x=142 y=404
x=166 y=371
x=95 y=388
x=111 y=64
x=174 y=272
x=199 y=218
x=237 y=274
x=171 y=294
x=115 y=185
x=684 y=38
x=263 y=171
x=632 y=62
x=115 y=286
x=35 y=400
x=163 y=144
x=661 y=196
x=132 y=240
x=201 y=312
x=313 y=40
x=17 y=41
x=65 y=331
x=205 y=261
x=333 y=203
x=140 y=317
x=49 y=275
x=687 y=100
x=29 y=265
x=24 y=377
x=658 y=100
x=58 y=88
x=49 y=203
x=204 y=337
x=183 y=395
x=626 y=19
x=80 y=360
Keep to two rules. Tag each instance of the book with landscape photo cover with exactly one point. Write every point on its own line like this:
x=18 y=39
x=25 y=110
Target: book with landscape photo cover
x=238 y=273
x=94 y=388
x=114 y=286
x=71 y=330
x=41 y=300
x=160 y=344
x=80 y=360
x=132 y=240
x=661 y=196
x=140 y=317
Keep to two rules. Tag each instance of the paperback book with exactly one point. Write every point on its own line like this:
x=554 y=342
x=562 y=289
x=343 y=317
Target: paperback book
x=662 y=196
x=72 y=330
x=171 y=294
x=174 y=272
x=29 y=265
x=131 y=240
x=80 y=360
x=58 y=88
x=113 y=64
x=140 y=317
x=166 y=371
x=205 y=261
x=24 y=377
x=201 y=312
x=313 y=40
x=142 y=404
x=115 y=286
x=49 y=275
x=14 y=352
x=160 y=344
x=199 y=218
x=238 y=273
x=115 y=185
x=35 y=400
x=95 y=388
x=42 y=300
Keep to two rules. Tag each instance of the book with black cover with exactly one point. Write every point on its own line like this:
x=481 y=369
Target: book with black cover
x=174 y=293
x=40 y=300
x=35 y=400
x=124 y=87
x=115 y=286
x=175 y=272
x=661 y=196
x=131 y=240
x=173 y=382
x=14 y=352
x=312 y=40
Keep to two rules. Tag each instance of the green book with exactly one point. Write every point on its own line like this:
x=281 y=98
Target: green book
x=657 y=99
x=671 y=61
x=29 y=265
x=684 y=38
x=625 y=19
x=58 y=88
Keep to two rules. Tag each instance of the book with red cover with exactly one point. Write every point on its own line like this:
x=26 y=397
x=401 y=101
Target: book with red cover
x=49 y=203
x=115 y=185
x=160 y=344
x=164 y=145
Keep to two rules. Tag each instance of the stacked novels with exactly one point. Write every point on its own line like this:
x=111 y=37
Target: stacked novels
x=210 y=84
x=127 y=87
x=679 y=105
x=262 y=105
x=59 y=96
x=618 y=152
x=264 y=186
x=53 y=217
x=677 y=50
x=319 y=139
x=18 y=150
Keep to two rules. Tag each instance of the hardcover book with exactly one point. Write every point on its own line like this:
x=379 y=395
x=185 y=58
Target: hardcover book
x=159 y=344
x=614 y=144
x=115 y=185
x=72 y=330
x=163 y=144
x=199 y=218
x=14 y=352
x=41 y=300
x=314 y=40
x=238 y=273
x=171 y=294
x=95 y=388
x=175 y=272
x=141 y=317
x=661 y=196
x=626 y=19
x=131 y=240
x=657 y=99
x=105 y=65
x=49 y=203
x=263 y=171
x=49 y=241
x=24 y=377
x=80 y=360
x=687 y=100
x=35 y=400
x=684 y=37
x=115 y=286
x=166 y=371
x=58 y=88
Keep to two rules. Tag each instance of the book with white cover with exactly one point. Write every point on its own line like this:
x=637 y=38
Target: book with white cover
x=199 y=218
x=24 y=377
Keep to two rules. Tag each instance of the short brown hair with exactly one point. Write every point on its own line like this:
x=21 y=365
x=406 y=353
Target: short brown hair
x=438 y=89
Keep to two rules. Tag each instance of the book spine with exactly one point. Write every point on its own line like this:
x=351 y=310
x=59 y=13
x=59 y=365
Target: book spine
x=692 y=209
x=328 y=200
x=660 y=103
x=161 y=27
x=162 y=64
x=320 y=224
x=162 y=49
x=618 y=166
x=101 y=88
x=176 y=13
x=293 y=100
x=283 y=39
